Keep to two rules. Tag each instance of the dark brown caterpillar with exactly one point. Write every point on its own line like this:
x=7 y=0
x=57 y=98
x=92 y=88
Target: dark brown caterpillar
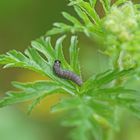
x=66 y=74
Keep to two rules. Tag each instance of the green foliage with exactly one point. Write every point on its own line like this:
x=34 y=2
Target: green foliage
x=29 y=91
x=33 y=60
x=89 y=23
x=84 y=123
x=123 y=32
x=95 y=106
x=118 y=30
x=99 y=101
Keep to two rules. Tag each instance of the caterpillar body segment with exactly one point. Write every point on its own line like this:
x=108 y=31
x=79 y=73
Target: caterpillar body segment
x=66 y=74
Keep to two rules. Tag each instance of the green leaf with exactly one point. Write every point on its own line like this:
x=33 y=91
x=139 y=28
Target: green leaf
x=93 y=2
x=80 y=116
x=71 y=19
x=106 y=77
x=66 y=104
x=56 y=30
x=104 y=103
x=95 y=105
x=40 y=58
x=35 y=103
x=74 y=54
x=59 y=52
x=89 y=16
x=104 y=112
x=83 y=16
x=45 y=48
x=115 y=74
x=89 y=11
x=117 y=96
x=106 y=5
x=74 y=2
x=135 y=109
x=33 y=55
x=29 y=91
x=114 y=93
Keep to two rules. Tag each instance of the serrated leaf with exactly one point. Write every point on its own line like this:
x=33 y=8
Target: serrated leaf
x=36 y=58
x=135 y=109
x=59 y=52
x=106 y=5
x=105 y=112
x=90 y=11
x=88 y=15
x=56 y=30
x=29 y=91
x=71 y=19
x=35 y=103
x=45 y=48
x=33 y=60
x=106 y=77
x=93 y=2
x=74 y=54
x=17 y=59
x=80 y=116
x=83 y=16
x=66 y=104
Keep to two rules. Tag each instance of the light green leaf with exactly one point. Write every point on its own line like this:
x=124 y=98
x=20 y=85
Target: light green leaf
x=34 y=60
x=33 y=55
x=83 y=16
x=134 y=108
x=88 y=15
x=29 y=91
x=66 y=104
x=56 y=30
x=59 y=52
x=93 y=2
x=45 y=48
x=104 y=112
x=106 y=77
x=74 y=54
x=106 y=5
x=80 y=116
x=71 y=19
x=90 y=11
x=35 y=103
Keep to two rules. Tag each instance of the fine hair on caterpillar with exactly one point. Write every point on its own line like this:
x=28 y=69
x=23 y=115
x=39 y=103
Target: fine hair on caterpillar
x=66 y=74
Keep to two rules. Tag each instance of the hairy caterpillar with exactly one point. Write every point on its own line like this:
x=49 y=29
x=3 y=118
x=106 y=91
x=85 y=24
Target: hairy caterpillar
x=66 y=74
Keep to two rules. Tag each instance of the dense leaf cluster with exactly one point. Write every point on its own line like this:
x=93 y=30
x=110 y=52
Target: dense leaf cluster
x=95 y=105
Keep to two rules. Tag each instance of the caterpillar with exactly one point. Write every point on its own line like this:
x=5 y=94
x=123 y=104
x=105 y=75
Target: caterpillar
x=66 y=74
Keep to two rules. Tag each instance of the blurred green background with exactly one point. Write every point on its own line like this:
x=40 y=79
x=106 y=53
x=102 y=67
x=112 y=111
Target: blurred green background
x=20 y=22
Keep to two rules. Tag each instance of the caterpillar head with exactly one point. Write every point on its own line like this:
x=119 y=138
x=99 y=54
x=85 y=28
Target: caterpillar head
x=57 y=62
